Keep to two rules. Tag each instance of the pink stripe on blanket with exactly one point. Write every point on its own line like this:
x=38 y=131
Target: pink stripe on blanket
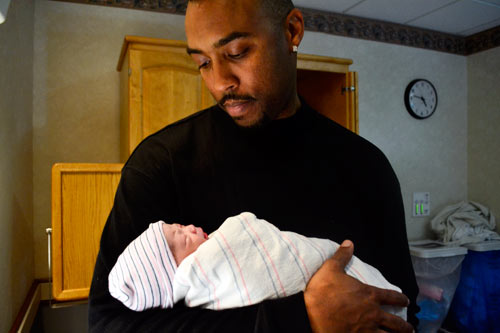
x=237 y=264
x=298 y=255
x=358 y=275
x=268 y=257
x=210 y=282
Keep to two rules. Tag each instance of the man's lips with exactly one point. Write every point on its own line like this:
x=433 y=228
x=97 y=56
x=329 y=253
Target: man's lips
x=236 y=107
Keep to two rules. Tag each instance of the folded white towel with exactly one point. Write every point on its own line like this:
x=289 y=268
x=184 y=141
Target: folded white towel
x=465 y=222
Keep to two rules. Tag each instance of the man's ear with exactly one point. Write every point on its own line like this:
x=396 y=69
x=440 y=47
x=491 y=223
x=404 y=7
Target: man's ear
x=294 y=25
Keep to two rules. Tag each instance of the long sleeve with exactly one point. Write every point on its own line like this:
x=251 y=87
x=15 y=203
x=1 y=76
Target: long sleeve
x=386 y=210
x=138 y=202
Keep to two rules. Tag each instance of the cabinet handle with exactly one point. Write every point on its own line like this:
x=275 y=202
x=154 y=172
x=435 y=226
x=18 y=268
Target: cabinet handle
x=49 y=241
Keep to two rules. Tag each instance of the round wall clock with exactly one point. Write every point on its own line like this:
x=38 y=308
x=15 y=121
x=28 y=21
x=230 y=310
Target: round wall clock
x=421 y=98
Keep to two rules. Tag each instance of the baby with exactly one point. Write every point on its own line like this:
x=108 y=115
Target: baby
x=245 y=261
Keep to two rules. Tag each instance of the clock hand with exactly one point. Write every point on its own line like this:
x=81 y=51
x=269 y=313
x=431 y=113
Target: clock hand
x=422 y=99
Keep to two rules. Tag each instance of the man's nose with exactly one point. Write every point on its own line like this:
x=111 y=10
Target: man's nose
x=224 y=80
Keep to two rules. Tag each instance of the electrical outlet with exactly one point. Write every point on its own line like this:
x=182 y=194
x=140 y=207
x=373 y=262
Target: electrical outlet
x=421 y=204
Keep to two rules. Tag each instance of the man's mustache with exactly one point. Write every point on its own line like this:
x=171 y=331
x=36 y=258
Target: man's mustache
x=235 y=97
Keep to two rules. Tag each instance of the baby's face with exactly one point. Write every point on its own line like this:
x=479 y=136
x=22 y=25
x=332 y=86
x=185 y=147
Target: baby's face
x=183 y=240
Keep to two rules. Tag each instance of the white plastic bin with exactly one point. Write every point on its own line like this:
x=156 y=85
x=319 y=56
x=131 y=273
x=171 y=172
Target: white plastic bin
x=437 y=269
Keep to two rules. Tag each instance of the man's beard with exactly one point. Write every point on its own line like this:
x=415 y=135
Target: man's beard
x=262 y=121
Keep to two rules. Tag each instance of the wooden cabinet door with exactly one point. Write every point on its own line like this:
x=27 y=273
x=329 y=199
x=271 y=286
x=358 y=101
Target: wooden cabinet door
x=82 y=197
x=327 y=85
x=170 y=93
x=332 y=94
x=160 y=84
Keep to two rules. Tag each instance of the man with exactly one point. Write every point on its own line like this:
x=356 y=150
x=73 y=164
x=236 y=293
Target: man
x=263 y=150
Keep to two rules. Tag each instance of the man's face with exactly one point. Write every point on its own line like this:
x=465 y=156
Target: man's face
x=243 y=58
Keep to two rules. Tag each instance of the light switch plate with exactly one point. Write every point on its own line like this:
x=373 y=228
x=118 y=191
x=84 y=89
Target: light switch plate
x=421 y=204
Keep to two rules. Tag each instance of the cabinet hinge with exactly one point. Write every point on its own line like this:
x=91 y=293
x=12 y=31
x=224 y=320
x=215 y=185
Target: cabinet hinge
x=129 y=71
x=348 y=89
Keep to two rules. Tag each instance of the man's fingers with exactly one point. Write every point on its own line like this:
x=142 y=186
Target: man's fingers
x=343 y=255
x=394 y=323
x=391 y=297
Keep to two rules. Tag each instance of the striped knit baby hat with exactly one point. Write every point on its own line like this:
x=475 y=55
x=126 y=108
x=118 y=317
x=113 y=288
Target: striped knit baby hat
x=143 y=276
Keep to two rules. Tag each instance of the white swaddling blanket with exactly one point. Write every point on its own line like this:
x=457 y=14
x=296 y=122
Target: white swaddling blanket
x=245 y=261
x=248 y=260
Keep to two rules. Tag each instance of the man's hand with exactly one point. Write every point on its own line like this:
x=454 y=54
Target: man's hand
x=336 y=302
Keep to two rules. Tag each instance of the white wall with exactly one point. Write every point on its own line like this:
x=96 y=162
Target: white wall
x=16 y=164
x=76 y=102
x=484 y=129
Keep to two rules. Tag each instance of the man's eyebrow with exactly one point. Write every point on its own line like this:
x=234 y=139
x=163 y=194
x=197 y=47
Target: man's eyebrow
x=229 y=38
x=221 y=42
x=191 y=51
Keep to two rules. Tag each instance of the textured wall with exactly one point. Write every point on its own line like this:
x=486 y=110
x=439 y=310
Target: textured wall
x=484 y=129
x=16 y=164
x=76 y=102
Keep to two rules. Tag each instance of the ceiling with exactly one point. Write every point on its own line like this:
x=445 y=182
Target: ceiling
x=457 y=17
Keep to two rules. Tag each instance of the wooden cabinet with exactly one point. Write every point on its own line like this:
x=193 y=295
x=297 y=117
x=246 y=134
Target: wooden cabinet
x=160 y=84
x=82 y=197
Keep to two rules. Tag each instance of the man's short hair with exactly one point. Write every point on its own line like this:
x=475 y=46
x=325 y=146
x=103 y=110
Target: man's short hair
x=277 y=10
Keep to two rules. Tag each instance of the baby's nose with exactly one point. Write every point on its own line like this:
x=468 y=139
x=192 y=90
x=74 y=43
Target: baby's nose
x=191 y=228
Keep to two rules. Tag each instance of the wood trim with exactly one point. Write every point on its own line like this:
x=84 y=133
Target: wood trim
x=321 y=63
x=26 y=315
x=352 y=113
x=130 y=40
x=347 y=26
x=318 y=58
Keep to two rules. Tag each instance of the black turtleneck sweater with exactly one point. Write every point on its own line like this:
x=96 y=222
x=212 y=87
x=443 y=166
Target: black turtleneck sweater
x=305 y=174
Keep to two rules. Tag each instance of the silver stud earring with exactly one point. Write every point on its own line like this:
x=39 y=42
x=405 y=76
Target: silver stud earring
x=295 y=49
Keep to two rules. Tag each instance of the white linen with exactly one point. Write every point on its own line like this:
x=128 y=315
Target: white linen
x=248 y=260
x=465 y=222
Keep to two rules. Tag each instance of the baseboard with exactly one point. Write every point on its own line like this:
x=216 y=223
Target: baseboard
x=26 y=316
x=40 y=292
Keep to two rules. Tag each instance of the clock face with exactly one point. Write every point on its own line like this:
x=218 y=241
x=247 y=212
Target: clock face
x=421 y=98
